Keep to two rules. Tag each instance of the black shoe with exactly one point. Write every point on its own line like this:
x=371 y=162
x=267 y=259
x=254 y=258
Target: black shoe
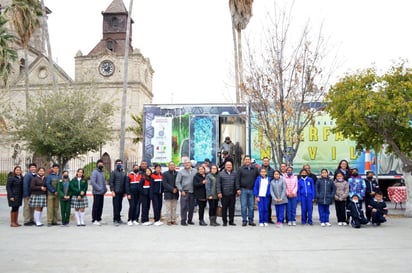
x=252 y=224
x=183 y=223
x=271 y=222
x=224 y=224
x=244 y=224
x=202 y=223
x=232 y=224
x=28 y=224
x=190 y=222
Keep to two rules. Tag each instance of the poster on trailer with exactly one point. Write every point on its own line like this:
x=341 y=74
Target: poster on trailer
x=162 y=139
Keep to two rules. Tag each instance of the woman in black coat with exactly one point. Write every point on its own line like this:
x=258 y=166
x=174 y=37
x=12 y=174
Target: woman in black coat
x=199 y=182
x=15 y=194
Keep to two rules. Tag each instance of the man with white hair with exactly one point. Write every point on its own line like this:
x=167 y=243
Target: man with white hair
x=184 y=183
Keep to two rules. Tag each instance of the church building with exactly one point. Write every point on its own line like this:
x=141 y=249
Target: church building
x=101 y=69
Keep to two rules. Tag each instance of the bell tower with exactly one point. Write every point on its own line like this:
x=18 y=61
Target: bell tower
x=114 y=30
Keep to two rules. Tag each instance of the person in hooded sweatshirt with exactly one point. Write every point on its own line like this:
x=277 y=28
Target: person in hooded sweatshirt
x=278 y=193
x=291 y=192
x=378 y=209
x=355 y=212
x=341 y=195
x=306 y=196
x=325 y=192
x=356 y=185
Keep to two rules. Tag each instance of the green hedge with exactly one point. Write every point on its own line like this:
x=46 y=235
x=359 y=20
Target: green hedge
x=3 y=178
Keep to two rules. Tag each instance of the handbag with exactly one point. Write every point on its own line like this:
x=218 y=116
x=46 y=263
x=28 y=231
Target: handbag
x=219 y=209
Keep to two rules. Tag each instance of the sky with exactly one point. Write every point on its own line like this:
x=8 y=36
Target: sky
x=190 y=46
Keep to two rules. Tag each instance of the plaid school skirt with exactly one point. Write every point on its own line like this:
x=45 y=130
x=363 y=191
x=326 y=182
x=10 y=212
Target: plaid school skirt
x=38 y=201
x=79 y=204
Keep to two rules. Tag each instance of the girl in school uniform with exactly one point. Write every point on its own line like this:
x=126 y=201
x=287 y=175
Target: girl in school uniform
x=38 y=197
x=278 y=193
x=78 y=190
x=146 y=195
x=262 y=192
x=64 y=196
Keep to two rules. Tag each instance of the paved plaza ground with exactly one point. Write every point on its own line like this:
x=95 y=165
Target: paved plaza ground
x=205 y=249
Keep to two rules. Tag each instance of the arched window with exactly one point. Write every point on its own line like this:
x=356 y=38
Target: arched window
x=115 y=22
x=110 y=45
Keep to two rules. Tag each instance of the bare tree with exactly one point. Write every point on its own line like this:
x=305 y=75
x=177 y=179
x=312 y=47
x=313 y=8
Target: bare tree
x=241 y=12
x=284 y=85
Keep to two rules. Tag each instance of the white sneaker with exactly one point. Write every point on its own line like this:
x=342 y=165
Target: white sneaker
x=289 y=223
x=294 y=223
x=148 y=223
x=328 y=224
x=340 y=223
x=322 y=224
x=265 y=224
x=135 y=223
x=129 y=223
x=158 y=223
x=261 y=225
x=97 y=223
x=345 y=224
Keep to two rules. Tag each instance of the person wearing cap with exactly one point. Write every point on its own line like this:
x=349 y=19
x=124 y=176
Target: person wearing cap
x=206 y=165
x=226 y=158
x=226 y=146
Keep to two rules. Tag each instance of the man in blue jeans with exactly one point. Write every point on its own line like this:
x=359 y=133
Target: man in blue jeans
x=246 y=179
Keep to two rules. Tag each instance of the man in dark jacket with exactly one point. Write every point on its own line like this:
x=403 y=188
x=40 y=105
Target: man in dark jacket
x=28 y=212
x=171 y=193
x=246 y=176
x=227 y=188
x=117 y=183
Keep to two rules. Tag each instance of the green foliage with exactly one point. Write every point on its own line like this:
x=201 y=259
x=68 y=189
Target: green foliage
x=24 y=15
x=3 y=178
x=375 y=109
x=137 y=129
x=65 y=124
x=90 y=167
x=7 y=54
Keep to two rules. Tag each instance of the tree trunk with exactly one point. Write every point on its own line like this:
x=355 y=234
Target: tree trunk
x=49 y=51
x=407 y=176
x=240 y=64
x=26 y=77
x=235 y=46
x=125 y=80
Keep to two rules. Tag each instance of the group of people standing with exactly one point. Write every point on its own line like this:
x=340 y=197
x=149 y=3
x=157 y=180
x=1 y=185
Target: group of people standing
x=35 y=191
x=201 y=186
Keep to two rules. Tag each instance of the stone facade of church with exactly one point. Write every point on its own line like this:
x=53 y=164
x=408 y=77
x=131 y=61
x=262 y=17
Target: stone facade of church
x=102 y=69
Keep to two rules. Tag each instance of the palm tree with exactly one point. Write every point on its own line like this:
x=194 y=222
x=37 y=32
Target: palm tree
x=49 y=51
x=7 y=54
x=241 y=12
x=137 y=130
x=24 y=14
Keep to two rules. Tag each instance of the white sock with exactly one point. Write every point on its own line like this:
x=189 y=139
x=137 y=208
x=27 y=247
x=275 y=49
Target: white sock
x=40 y=216
x=82 y=217
x=36 y=217
x=77 y=215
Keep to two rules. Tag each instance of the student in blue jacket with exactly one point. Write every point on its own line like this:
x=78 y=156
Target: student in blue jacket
x=262 y=192
x=306 y=196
